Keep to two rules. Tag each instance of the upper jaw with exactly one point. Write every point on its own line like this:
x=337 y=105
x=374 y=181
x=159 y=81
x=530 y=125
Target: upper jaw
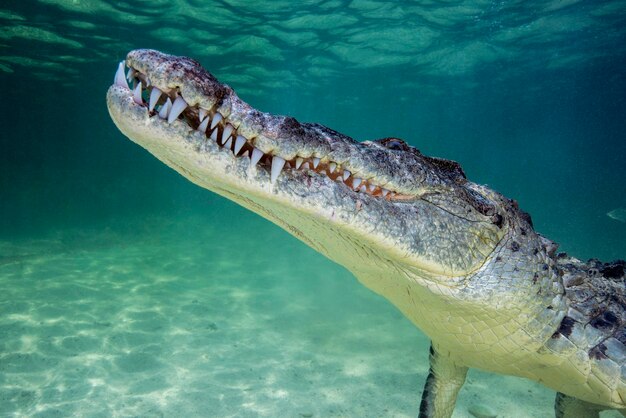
x=405 y=173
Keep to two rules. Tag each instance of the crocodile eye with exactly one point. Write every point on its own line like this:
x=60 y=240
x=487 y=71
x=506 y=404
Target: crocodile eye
x=394 y=144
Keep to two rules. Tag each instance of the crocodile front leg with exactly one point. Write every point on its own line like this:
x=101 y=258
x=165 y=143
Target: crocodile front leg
x=568 y=407
x=444 y=381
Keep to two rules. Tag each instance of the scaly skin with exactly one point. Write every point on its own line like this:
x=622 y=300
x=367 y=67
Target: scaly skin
x=461 y=261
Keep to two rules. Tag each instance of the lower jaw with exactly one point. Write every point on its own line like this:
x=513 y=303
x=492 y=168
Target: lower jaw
x=213 y=167
x=186 y=151
x=209 y=165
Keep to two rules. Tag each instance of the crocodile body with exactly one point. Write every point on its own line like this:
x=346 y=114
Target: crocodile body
x=460 y=260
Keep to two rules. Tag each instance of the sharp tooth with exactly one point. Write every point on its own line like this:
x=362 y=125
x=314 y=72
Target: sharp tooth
x=216 y=119
x=316 y=162
x=177 y=108
x=214 y=135
x=362 y=189
x=246 y=153
x=371 y=187
x=306 y=166
x=256 y=156
x=277 y=166
x=165 y=109
x=228 y=143
x=203 y=125
x=239 y=144
x=226 y=133
x=155 y=95
x=202 y=114
x=137 y=94
x=298 y=162
x=129 y=74
x=346 y=174
x=148 y=83
x=355 y=182
x=119 y=79
x=384 y=192
x=331 y=167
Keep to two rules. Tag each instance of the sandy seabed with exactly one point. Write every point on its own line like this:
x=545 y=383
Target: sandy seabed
x=188 y=320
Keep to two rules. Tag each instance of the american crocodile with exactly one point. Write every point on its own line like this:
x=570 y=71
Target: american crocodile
x=460 y=260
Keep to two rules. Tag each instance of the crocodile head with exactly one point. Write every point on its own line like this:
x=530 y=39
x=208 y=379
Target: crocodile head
x=410 y=227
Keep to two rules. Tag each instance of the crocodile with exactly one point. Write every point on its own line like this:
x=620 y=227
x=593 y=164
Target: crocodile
x=461 y=261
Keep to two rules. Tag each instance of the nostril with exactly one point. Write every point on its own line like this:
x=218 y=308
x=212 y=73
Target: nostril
x=395 y=144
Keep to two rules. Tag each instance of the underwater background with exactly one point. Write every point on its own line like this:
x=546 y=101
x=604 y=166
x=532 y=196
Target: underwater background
x=125 y=290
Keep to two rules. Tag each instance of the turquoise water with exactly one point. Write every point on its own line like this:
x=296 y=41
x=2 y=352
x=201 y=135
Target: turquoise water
x=127 y=291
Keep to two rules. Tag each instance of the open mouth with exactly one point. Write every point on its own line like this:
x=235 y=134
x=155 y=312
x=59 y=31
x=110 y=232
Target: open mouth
x=169 y=105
